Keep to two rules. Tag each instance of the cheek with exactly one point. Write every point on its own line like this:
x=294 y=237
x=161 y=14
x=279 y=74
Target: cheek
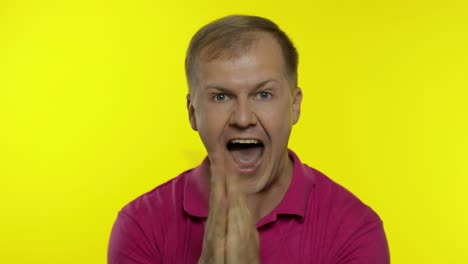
x=210 y=123
x=277 y=119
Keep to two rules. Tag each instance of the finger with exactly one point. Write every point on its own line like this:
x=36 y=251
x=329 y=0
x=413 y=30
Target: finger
x=218 y=197
x=239 y=217
x=239 y=220
x=234 y=235
x=242 y=237
x=215 y=229
x=215 y=235
x=217 y=181
x=234 y=239
x=232 y=180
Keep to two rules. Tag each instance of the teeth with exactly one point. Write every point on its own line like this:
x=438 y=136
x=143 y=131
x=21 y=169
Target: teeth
x=245 y=141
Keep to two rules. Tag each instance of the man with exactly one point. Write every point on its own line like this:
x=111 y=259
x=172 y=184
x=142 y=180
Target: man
x=251 y=200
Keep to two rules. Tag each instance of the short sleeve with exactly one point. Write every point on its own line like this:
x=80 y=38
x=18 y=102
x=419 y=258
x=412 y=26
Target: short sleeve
x=367 y=244
x=129 y=245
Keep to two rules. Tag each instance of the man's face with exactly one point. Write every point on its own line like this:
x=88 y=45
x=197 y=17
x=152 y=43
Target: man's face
x=244 y=109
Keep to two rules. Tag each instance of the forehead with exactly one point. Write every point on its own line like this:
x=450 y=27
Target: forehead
x=261 y=60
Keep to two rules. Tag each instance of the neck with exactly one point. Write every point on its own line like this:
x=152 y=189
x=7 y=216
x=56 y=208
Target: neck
x=262 y=203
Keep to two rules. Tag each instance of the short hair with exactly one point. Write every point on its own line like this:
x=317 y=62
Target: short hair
x=231 y=35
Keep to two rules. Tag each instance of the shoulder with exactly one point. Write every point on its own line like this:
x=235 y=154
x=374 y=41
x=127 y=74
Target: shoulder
x=336 y=198
x=139 y=232
x=353 y=230
x=163 y=199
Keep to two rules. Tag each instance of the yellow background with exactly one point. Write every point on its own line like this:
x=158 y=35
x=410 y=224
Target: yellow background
x=92 y=114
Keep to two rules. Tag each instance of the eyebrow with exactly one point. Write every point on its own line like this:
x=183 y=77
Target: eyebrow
x=258 y=86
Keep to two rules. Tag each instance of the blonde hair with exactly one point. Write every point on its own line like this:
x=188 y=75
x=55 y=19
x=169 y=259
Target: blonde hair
x=229 y=36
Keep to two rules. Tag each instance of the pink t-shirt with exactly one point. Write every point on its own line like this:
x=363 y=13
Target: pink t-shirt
x=317 y=221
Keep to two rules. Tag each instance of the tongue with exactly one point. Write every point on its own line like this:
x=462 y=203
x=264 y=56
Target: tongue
x=246 y=157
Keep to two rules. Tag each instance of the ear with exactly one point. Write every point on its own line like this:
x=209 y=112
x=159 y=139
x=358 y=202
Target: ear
x=296 y=104
x=191 y=113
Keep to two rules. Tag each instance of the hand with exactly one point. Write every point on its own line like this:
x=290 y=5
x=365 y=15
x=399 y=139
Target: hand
x=242 y=245
x=230 y=232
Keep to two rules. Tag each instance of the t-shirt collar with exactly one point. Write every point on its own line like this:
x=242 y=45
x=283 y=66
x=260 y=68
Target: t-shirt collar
x=196 y=190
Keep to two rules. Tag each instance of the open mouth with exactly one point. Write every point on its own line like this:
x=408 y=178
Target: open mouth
x=246 y=153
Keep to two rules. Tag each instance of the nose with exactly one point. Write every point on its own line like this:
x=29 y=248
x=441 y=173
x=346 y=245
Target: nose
x=242 y=115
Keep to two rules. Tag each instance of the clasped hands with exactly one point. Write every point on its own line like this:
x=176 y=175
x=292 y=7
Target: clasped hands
x=230 y=233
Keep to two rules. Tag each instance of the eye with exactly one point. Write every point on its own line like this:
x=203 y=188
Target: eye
x=263 y=95
x=220 y=97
